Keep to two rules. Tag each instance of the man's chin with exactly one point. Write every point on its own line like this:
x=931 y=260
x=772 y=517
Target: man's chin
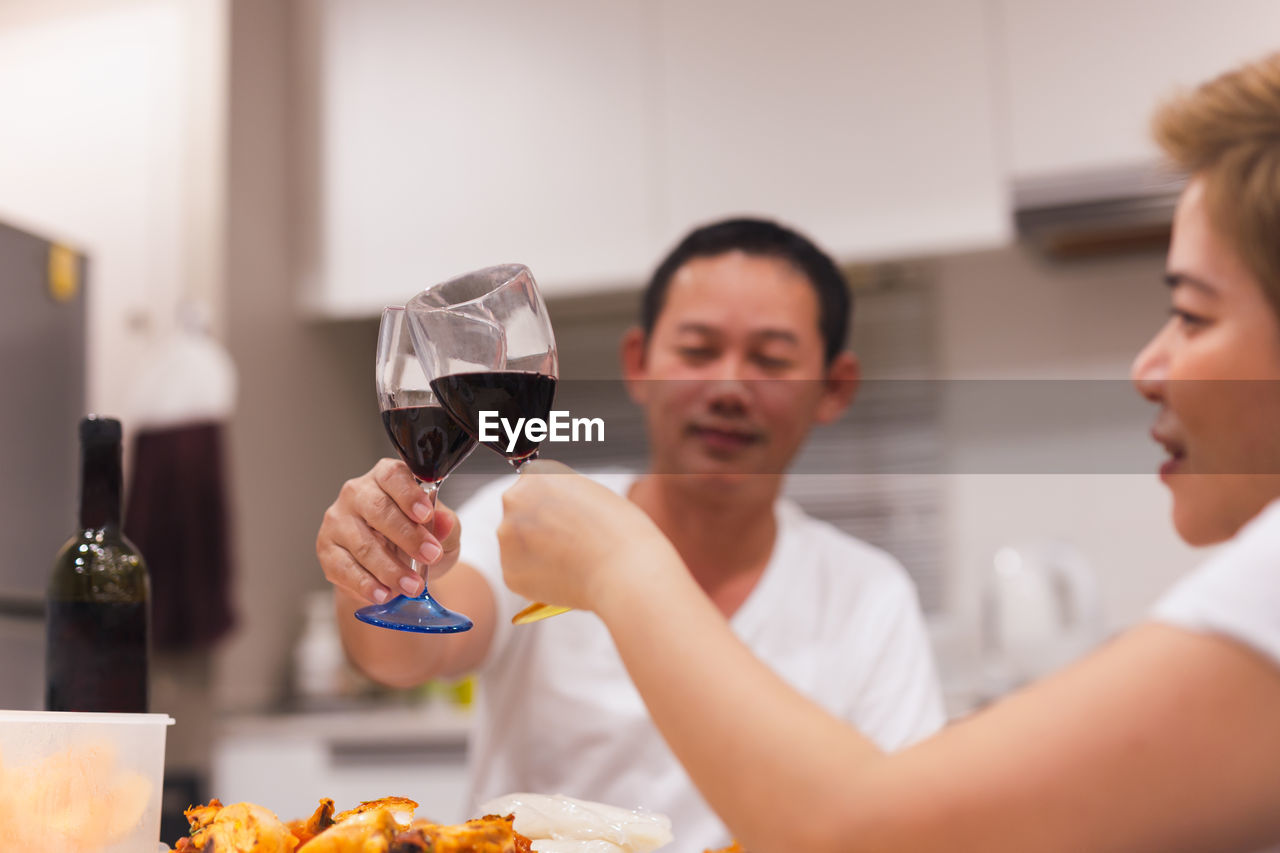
x=723 y=472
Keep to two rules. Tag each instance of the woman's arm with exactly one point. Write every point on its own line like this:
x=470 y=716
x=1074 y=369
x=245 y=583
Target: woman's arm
x=1163 y=740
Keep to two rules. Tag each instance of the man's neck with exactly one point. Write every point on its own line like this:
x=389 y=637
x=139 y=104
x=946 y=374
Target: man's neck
x=724 y=536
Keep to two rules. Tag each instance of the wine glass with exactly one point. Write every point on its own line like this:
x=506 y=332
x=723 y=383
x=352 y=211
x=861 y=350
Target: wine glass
x=432 y=444
x=485 y=338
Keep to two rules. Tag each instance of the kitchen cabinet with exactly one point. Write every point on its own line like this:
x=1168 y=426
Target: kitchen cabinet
x=1082 y=79
x=867 y=124
x=451 y=136
x=288 y=762
x=583 y=138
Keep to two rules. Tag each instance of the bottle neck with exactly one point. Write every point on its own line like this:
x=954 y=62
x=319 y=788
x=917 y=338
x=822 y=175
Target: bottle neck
x=100 y=479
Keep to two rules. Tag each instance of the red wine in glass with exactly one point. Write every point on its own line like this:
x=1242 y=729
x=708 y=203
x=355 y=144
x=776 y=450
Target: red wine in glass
x=486 y=341
x=432 y=444
x=429 y=441
x=512 y=394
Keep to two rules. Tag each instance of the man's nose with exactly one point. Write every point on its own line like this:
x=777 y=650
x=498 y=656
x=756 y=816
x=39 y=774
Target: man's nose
x=728 y=385
x=1151 y=367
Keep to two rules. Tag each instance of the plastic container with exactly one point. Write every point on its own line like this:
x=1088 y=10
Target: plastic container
x=81 y=783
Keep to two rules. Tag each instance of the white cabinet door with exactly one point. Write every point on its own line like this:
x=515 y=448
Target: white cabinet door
x=450 y=136
x=867 y=124
x=1083 y=78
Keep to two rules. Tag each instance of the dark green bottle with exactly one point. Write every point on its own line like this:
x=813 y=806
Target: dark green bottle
x=98 y=610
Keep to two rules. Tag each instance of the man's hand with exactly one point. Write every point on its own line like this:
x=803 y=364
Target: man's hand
x=380 y=521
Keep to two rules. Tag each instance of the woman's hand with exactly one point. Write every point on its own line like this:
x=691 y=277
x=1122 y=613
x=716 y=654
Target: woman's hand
x=378 y=523
x=570 y=541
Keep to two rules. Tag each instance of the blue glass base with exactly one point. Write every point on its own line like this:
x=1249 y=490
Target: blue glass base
x=424 y=615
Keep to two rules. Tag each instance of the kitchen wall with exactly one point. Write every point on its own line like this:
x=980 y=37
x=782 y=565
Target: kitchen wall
x=306 y=419
x=112 y=142
x=1013 y=315
x=123 y=155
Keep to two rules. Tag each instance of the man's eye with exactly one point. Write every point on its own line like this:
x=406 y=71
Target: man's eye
x=769 y=362
x=697 y=353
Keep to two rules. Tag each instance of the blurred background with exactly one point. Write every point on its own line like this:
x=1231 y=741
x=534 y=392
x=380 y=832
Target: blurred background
x=243 y=184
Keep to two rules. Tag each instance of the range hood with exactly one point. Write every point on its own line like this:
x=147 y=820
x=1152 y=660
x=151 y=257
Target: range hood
x=1097 y=211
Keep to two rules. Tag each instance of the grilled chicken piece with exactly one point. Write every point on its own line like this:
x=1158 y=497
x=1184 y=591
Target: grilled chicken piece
x=238 y=828
x=322 y=819
x=489 y=834
x=369 y=831
x=395 y=805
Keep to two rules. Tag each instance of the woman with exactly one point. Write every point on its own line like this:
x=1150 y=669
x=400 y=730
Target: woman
x=1168 y=738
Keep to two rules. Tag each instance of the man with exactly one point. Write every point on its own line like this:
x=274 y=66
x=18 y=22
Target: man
x=740 y=353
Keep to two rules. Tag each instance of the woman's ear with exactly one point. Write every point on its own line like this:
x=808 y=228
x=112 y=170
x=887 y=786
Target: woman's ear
x=634 y=346
x=840 y=386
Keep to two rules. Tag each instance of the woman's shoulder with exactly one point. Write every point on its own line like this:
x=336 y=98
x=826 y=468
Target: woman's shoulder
x=1236 y=592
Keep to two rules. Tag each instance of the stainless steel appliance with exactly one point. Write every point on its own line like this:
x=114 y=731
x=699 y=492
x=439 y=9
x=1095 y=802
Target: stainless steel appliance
x=42 y=396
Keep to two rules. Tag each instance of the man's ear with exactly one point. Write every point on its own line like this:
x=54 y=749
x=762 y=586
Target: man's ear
x=633 y=349
x=840 y=386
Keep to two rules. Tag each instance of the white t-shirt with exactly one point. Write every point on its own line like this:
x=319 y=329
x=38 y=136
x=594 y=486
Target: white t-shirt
x=557 y=713
x=1236 y=592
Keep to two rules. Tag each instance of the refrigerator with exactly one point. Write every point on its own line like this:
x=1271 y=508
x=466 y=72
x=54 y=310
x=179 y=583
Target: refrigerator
x=42 y=397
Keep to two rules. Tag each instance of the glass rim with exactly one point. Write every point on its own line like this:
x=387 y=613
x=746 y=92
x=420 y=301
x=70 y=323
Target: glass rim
x=419 y=303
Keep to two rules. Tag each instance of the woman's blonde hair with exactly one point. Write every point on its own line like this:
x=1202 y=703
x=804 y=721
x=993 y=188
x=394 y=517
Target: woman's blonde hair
x=1227 y=131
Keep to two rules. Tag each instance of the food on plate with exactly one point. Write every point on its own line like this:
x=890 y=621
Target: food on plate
x=402 y=807
x=377 y=826
x=548 y=845
x=559 y=824
x=320 y=820
x=735 y=847
x=238 y=827
x=77 y=799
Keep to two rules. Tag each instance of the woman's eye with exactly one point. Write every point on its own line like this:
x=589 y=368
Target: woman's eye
x=1188 y=319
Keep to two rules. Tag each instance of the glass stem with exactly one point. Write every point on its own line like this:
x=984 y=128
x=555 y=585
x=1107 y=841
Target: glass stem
x=430 y=490
x=519 y=464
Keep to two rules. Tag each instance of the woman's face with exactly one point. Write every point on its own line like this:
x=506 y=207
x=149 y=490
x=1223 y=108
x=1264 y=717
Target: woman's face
x=1214 y=371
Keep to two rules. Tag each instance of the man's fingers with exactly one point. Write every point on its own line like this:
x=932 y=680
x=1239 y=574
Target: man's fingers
x=377 y=556
x=394 y=478
x=446 y=528
x=384 y=510
x=342 y=570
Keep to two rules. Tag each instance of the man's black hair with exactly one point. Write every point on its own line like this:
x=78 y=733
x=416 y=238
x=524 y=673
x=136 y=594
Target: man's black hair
x=761 y=238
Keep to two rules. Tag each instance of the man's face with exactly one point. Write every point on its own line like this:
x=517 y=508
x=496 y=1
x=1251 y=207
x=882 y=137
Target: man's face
x=733 y=376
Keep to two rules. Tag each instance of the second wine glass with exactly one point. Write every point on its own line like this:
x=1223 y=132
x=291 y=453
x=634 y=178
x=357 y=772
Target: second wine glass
x=486 y=339
x=432 y=444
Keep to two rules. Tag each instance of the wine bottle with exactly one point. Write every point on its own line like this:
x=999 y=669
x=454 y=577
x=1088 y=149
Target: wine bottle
x=98 y=609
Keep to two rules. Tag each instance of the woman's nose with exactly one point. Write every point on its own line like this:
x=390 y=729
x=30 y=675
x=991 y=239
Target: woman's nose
x=1151 y=367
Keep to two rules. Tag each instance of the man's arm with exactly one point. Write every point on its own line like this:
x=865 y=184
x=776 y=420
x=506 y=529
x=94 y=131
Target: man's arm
x=363 y=545
x=406 y=659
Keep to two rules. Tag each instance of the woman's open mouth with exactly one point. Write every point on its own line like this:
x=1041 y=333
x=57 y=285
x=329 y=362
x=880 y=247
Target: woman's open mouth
x=1177 y=453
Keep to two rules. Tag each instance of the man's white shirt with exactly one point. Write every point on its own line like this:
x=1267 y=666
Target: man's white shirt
x=556 y=712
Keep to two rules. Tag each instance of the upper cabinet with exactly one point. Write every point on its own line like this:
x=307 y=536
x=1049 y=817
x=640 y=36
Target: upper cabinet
x=1083 y=78
x=439 y=137
x=582 y=138
x=867 y=124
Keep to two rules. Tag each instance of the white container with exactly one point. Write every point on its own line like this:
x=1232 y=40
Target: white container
x=81 y=783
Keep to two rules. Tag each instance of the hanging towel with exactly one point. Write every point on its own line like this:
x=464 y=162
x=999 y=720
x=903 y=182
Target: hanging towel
x=177 y=508
x=177 y=516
